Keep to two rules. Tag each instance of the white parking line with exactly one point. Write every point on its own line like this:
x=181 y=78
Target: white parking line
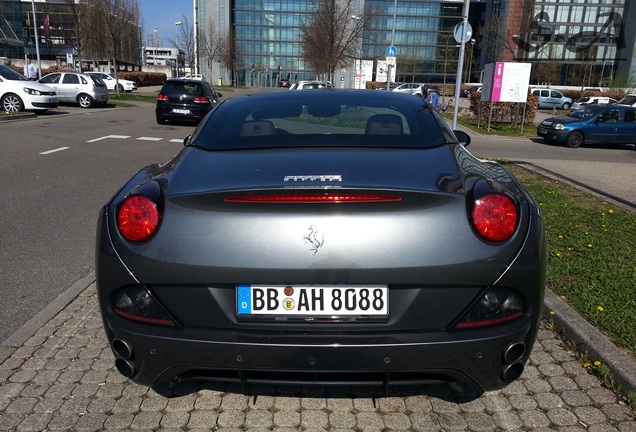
x=149 y=139
x=109 y=136
x=176 y=140
x=54 y=150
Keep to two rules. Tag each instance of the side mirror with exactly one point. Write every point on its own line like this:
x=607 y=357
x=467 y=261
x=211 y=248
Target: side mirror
x=462 y=137
x=219 y=94
x=186 y=140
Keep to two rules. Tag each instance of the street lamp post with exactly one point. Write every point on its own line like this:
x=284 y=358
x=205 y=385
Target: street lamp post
x=388 y=76
x=154 y=44
x=176 y=42
x=355 y=59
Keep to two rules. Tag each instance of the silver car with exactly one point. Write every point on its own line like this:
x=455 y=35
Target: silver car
x=82 y=89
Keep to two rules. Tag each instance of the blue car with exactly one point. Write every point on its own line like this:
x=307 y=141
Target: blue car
x=599 y=124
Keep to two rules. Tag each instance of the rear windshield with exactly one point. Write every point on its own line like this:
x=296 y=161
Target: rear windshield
x=330 y=119
x=182 y=88
x=628 y=100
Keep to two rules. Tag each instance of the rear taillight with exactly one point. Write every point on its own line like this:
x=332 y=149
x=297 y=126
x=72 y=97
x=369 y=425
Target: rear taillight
x=200 y=99
x=495 y=217
x=496 y=306
x=137 y=218
x=162 y=97
x=137 y=304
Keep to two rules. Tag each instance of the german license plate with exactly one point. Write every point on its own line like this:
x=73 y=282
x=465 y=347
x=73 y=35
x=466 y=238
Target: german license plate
x=543 y=130
x=315 y=300
x=180 y=111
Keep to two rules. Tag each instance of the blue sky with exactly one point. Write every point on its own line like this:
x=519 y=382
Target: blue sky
x=162 y=14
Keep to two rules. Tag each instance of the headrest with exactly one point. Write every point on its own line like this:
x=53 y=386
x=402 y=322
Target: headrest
x=257 y=128
x=384 y=124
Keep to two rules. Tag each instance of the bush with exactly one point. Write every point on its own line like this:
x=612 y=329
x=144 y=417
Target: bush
x=144 y=78
x=504 y=112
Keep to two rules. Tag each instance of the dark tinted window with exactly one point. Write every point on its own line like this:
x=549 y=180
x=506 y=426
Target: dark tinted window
x=630 y=116
x=323 y=119
x=182 y=88
x=70 y=79
x=51 y=79
x=11 y=75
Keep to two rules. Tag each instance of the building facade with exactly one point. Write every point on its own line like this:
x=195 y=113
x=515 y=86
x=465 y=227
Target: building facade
x=53 y=24
x=585 y=42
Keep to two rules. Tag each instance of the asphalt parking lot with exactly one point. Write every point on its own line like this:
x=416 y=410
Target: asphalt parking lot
x=57 y=373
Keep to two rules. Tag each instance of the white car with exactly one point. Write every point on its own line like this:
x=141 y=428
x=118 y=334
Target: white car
x=112 y=81
x=592 y=100
x=311 y=85
x=18 y=93
x=195 y=77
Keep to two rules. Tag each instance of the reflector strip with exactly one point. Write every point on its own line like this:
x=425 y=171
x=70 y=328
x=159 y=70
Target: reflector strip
x=312 y=198
x=163 y=322
x=484 y=323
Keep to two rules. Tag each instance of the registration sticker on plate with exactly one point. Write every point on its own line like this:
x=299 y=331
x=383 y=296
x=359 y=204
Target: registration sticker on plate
x=315 y=300
x=180 y=111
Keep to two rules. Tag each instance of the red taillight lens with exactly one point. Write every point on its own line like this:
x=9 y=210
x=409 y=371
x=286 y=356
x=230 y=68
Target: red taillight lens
x=200 y=99
x=495 y=217
x=162 y=97
x=138 y=218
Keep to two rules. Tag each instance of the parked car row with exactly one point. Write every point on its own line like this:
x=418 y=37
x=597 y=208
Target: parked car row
x=17 y=93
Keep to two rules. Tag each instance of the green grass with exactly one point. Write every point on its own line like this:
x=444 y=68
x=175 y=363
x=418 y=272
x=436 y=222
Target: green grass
x=591 y=248
x=117 y=98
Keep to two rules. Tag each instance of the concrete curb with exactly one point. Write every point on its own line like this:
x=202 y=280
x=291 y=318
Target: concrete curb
x=588 y=339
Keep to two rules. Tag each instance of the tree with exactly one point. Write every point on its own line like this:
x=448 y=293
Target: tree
x=82 y=29
x=330 y=36
x=185 y=41
x=120 y=22
x=209 y=43
x=228 y=54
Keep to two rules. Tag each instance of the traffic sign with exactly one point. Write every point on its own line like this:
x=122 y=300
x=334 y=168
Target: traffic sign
x=459 y=32
x=391 y=51
x=390 y=61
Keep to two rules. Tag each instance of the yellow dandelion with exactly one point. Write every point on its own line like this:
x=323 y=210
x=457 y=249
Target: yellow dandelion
x=552 y=312
x=597 y=363
x=560 y=236
x=558 y=254
x=586 y=365
x=610 y=211
x=590 y=245
x=600 y=308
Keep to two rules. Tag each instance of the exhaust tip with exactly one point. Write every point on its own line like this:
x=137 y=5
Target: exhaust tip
x=125 y=367
x=514 y=352
x=512 y=372
x=122 y=349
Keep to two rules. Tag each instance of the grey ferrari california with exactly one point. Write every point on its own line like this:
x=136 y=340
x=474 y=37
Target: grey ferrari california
x=327 y=237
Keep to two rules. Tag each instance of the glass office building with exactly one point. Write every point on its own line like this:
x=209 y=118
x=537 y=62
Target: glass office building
x=266 y=35
x=573 y=36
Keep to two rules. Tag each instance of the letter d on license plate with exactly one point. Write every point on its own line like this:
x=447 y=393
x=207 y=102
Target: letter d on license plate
x=323 y=300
